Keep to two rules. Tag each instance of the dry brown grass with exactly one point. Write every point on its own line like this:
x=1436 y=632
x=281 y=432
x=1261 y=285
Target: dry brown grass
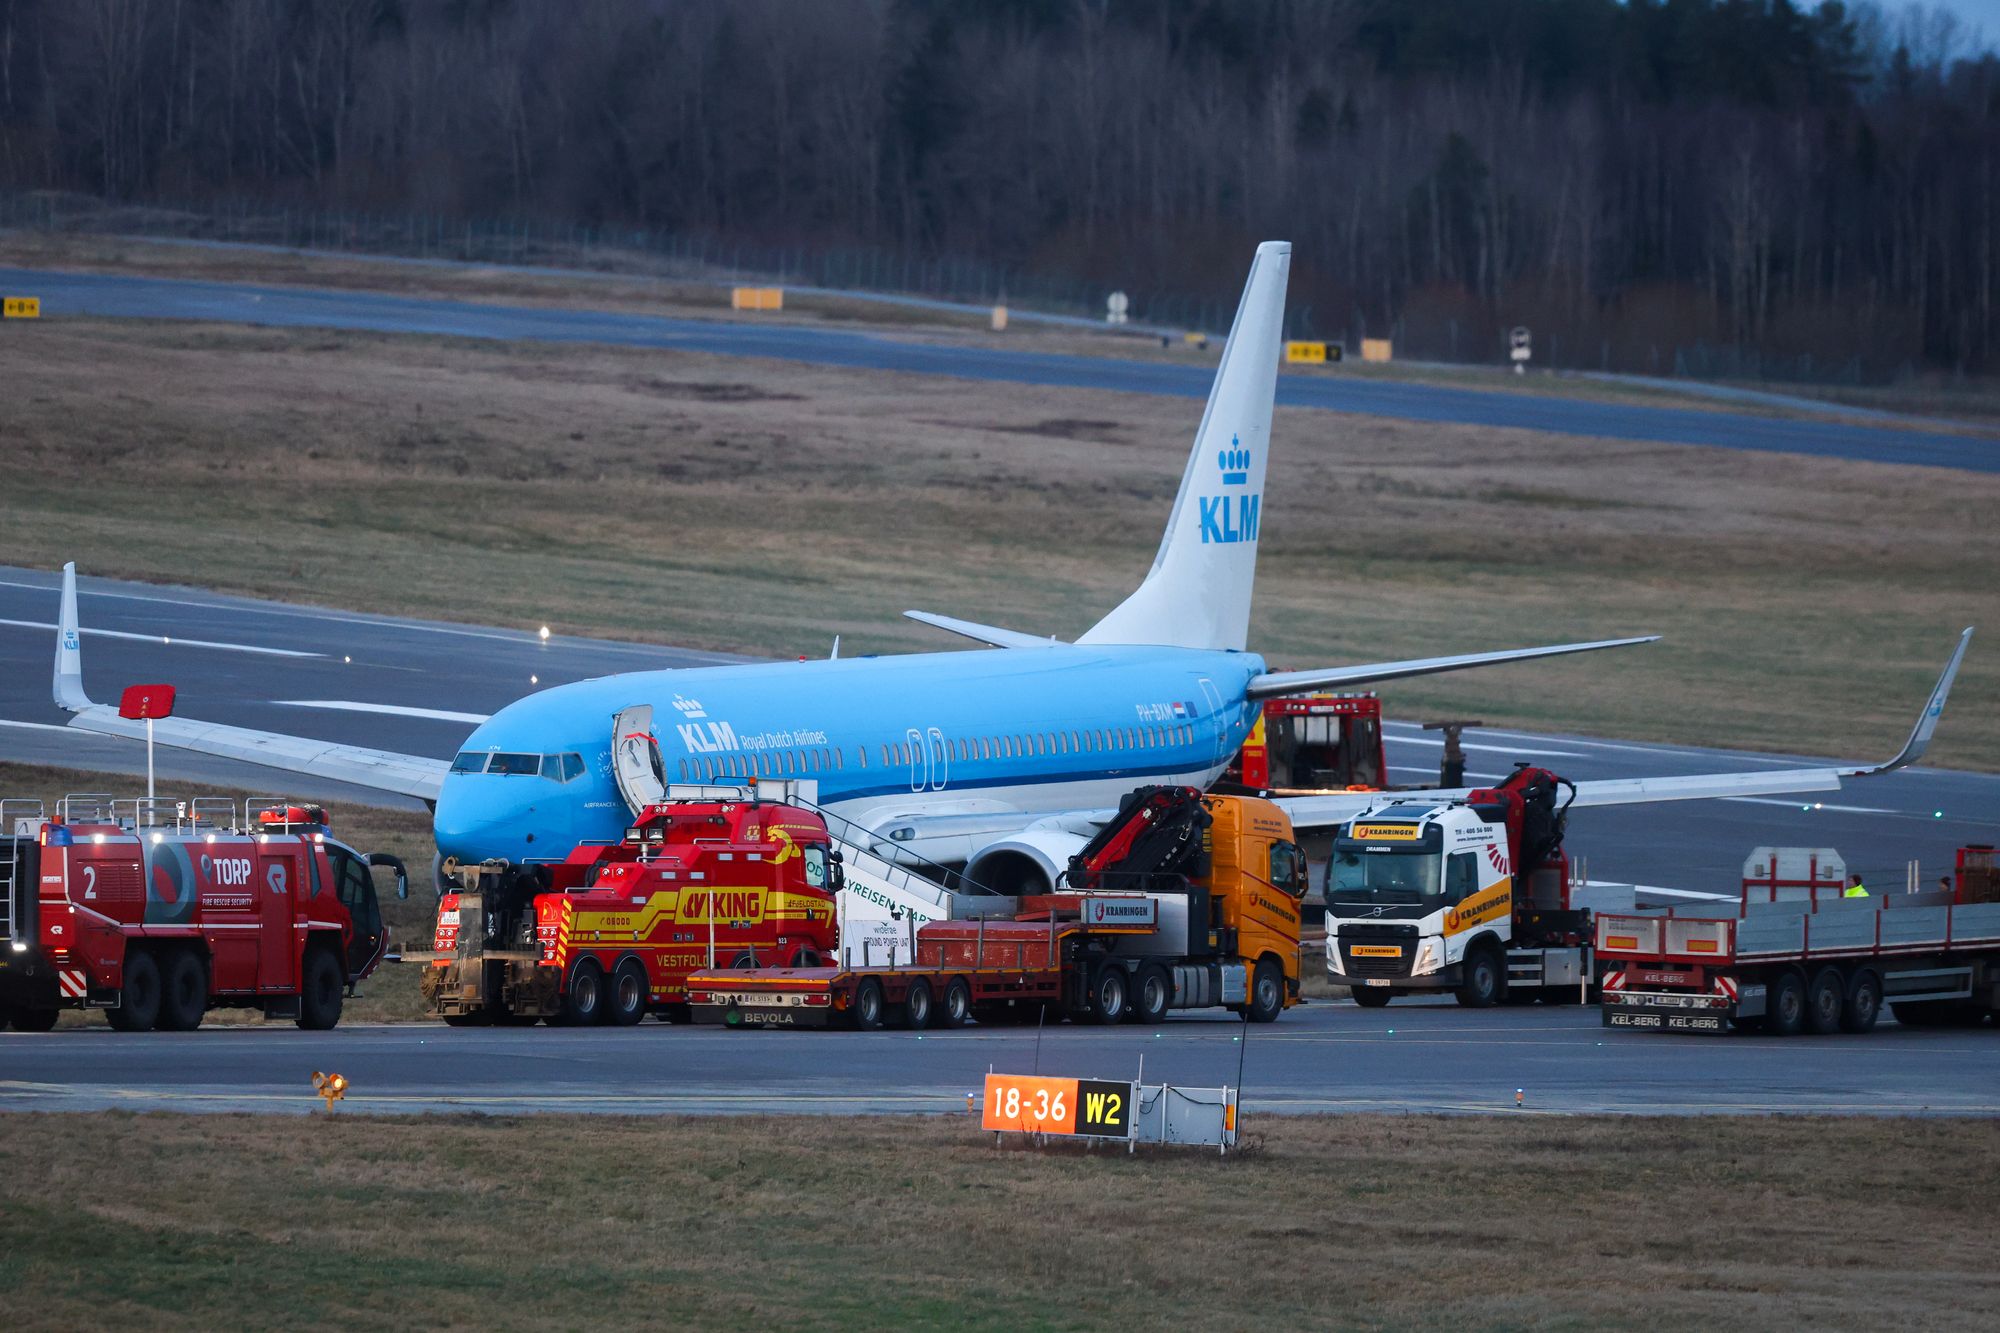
x=1355 y=1222
x=736 y=504
x=388 y=996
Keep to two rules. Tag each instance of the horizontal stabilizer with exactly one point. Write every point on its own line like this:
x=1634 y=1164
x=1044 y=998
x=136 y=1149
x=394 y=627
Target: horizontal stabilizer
x=993 y=634
x=1298 y=682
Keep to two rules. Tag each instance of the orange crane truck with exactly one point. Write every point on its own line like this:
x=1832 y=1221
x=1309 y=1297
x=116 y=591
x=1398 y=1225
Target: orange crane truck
x=1181 y=901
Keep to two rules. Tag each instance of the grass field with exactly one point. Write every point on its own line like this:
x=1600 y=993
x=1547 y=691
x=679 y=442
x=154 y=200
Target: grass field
x=752 y=506
x=1356 y=1222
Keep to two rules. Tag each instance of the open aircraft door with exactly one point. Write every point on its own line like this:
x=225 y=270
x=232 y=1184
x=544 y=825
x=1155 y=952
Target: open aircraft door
x=635 y=758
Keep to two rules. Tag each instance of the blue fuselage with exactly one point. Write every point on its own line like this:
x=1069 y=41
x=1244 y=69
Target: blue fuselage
x=1029 y=729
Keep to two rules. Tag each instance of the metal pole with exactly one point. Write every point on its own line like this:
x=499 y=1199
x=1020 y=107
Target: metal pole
x=149 y=761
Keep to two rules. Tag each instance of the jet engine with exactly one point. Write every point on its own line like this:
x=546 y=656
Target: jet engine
x=1027 y=862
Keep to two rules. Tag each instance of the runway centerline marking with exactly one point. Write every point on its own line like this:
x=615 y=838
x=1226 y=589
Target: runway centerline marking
x=394 y=710
x=167 y=640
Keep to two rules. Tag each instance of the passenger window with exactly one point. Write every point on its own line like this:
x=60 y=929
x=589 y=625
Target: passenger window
x=1288 y=868
x=837 y=765
x=684 y=770
x=815 y=859
x=1461 y=876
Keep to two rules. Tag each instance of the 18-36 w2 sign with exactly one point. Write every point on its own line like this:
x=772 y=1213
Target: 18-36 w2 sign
x=1023 y=1104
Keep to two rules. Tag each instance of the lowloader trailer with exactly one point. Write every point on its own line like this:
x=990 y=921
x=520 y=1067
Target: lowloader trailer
x=1815 y=963
x=1183 y=901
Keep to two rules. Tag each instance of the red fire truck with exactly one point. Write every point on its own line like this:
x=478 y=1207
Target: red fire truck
x=711 y=877
x=157 y=911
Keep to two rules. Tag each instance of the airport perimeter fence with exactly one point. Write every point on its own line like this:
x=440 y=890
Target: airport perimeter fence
x=612 y=250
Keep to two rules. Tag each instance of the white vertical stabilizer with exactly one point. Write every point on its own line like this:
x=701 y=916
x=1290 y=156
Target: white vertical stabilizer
x=1197 y=594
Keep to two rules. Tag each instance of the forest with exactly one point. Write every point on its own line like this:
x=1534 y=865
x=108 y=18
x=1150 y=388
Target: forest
x=1729 y=187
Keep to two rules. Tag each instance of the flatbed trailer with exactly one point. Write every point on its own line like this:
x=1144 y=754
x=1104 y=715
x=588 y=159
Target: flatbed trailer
x=1817 y=965
x=991 y=971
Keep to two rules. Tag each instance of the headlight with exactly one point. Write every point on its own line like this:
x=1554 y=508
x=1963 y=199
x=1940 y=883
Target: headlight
x=1333 y=955
x=1429 y=957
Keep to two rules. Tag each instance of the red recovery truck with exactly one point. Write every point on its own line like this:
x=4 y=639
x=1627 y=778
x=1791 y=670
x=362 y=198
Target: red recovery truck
x=1320 y=742
x=1184 y=901
x=709 y=877
x=157 y=911
x=1810 y=961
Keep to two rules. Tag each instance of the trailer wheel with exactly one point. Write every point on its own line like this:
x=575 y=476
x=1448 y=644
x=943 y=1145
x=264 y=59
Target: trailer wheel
x=629 y=994
x=139 y=1002
x=585 y=1002
x=1152 y=994
x=184 y=994
x=1825 y=998
x=917 y=1006
x=868 y=1005
x=1110 y=992
x=956 y=1011
x=1863 y=1004
x=319 y=990
x=1371 y=997
x=35 y=1020
x=1785 y=1005
x=1485 y=983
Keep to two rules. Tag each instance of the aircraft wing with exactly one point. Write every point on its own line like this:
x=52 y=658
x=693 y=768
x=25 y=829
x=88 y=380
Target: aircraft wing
x=382 y=770
x=972 y=629
x=1322 y=811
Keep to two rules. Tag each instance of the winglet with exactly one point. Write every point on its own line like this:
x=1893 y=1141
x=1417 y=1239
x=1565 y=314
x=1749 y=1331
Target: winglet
x=69 y=651
x=1920 y=735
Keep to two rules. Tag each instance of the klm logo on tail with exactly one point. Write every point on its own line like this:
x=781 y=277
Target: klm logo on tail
x=1221 y=522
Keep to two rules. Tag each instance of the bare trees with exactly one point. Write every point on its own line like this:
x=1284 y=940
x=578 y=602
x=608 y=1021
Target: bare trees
x=1634 y=175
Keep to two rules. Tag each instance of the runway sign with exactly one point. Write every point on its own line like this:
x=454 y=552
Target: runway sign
x=1022 y=1104
x=757 y=298
x=1305 y=353
x=1376 y=349
x=23 y=307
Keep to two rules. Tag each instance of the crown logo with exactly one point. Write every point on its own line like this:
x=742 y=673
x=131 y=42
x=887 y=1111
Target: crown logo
x=1234 y=462
x=690 y=708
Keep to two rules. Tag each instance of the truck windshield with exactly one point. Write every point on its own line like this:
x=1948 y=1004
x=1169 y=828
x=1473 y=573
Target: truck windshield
x=1385 y=878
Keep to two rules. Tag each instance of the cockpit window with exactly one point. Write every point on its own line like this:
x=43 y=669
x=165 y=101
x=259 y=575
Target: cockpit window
x=572 y=767
x=469 y=761
x=516 y=765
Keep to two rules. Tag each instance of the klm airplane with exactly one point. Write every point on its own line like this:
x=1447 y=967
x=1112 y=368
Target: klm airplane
x=1001 y=761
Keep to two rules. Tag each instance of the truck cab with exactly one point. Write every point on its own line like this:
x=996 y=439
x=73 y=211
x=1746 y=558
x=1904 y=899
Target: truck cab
x=1428 y=896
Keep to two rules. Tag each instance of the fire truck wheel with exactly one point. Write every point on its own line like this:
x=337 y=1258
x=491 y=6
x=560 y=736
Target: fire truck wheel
x=35 y=1020
x=1110 y=992
x=1485 y=982
x=319 y=990
x=1863 y=1004
x=1785 y=1005
x=917 y=1006
x=1152 y=994
x=1267 y=992
x=139 y=1002
x=868 y=1006
x=585 y=1002
x=1824 y=998
x=628 y=994
x=1369 y=997
x=183 y=993
x=956 y=1011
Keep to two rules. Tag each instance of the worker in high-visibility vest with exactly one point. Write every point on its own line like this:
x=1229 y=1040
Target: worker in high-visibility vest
x=1855 y=888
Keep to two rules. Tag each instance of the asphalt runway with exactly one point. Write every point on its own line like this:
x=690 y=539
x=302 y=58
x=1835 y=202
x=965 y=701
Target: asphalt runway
x=120 y=296
x=328 y=673
x=1330 y=1056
